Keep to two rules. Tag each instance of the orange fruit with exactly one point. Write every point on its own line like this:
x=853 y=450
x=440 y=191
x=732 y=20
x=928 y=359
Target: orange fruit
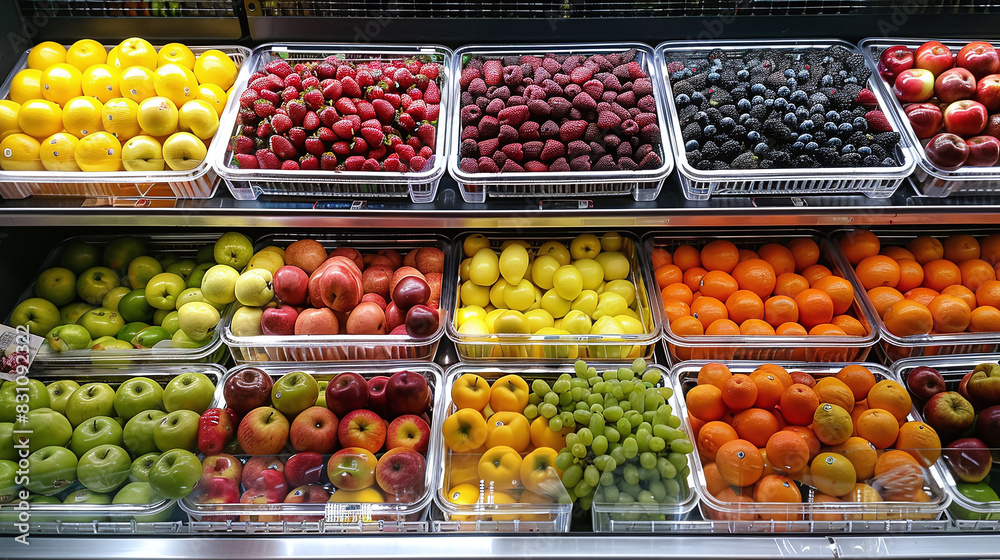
x=832 y=424
x=897 y=479
x=717 y=284
x=790 y=329
x=693 y=276
x=714 y=373
x=802 y=378
x=975 y=272
x=686 y=257
x=941 y=273
x=861 y=453
x=850 y=325
x=660 y=257
x=990 y=248
x=704 y=402
x=809 y=436
x=755 y=425
x=840 y=291
x=798 y=404
x=815 y=272
x=951 y=314
x=962 y=293
x=821 y=498
x=789 y=284
x=740 y=463
x=720 y=254
x=714 y=482
x=858 y=378
x=711 y=436
x=833 y=390
x=833 y=474
x=668 y=274
x=744 y=304
x=921 y=295
x=779 y=373
x=677 y=291
x=985 y=318
x=858 y=244
x=959 y=248
x=863 y=493
x=756 y=275
x=780 y=309
x=696 y=424
x=877 y=270
x=815 y=307
x=739 y=392
x=892 y=459
x=722 y=327
x=708 y=309
x=777 y=489
x=687 y=326
x=769 y=389
x=919 y=440
x=674 y=310
x=896 y=252
x=747 y=254
x=911 y=274
x=883 y=297
x=907 y=318
x=756 y=327
x=787 y=452
x=925 y=249
x=877 y=426
x=805 y=251
x=779 y=256
x=859 y=408
x=827 y=329
x=890 y=396
x=989 y=293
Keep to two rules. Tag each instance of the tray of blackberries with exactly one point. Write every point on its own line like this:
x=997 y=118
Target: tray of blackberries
x=786 y=118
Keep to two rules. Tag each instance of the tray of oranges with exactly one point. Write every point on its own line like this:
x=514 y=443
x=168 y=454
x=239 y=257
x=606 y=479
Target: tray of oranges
x=752 y=295
x=809 y=447
x=932 y=292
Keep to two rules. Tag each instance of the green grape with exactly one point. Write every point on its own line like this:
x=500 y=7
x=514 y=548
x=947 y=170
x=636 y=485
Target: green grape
x=630 y=474
x=593 y=381
x=667 y=433
x=628 y=389
x=658 y=490
x=609 y=401
x=646 y=497
x=647 y=475
x=530 y=412
x=582 y=489
x=685 y=472
x=561 y=386
x=634 y=418
x=565 y=399
x=681 y=445
x=567 y=418
x=600 y=445
x=672 y=487
x=593 y=399
x=608 y=479
x=618 y=392
x=678 y=460
x=592 y=476
x=652 y=400
x=551 y=398
x=591 y=371
x=609 y=493
x=645 y=426
x=624 y=498
x=665 y=468
x=596 y=424
x=674 y=422
x=629 y=488
x=586 y=502
x=534 y=399
x=580 y=368
x=572 y=476
x=582 y=417
x=579 y=450
x=613 y=413
x=611 y=465
x=642 y=437
x=601 y=387
x=601 y=461
x=652 y=376
x=657 y=444
x=626 y=406
x=618 y=454
x=664 y=410
x=613 y=435
x=563 y=460
x=649 y=417
x=582 y=406
x=564 y=377
x=667 y=392
x=555 y=424
x=579 y=383
x=647 y=460
x=570 y=496
x=625 y=374
x=572 y=439
x=577 y=394
x=586 y=436
x=638 y=402
x=609 y=375
x=547 y=410
x=624 y=426
x=540 y=387
x=638 y=365
x=630 y=447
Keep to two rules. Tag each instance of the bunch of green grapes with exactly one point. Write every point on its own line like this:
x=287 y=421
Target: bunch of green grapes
x=626 y=445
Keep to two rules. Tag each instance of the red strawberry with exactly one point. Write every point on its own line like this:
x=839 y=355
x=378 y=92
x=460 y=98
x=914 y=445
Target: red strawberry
x=297 y=136
x=433 y=111
x=432 y=94
x=274 y=82
x=536 y=167
x=314 y=146
x=351 y=87
x=553 y=149
x=468 y=74
x=248 y=97
x=345 y=106
x=343 y=129
x=267 y=160
x=311 y=81
x=415 y=93
x=313 y=98
x=328 y=162
x=281 y=123
x=406 y=121
x=572 y=130
x=365 y=110
x=360 y=146
x=371 y=165
x=373 y=136
x=492 y=72
x=415 y=142
x=607 y=120
x=427 y=134
x=581 y=74
x=258 y=84
x=243 y=145
x=365 y=79
x=354 y=163
x=246 y=116
x=403 y=78
x=383 y=110
x=345 y=71
x=341 y=148
x=866 y=98
x=513 y=151
x=296 y=111
x=290 y=165
x=333 y=90
x=246 y=161
x=405 y=152
x=310 y=121
x=394 y=165
x=417 y=163
x=279 y=67
x=309 y=162
x=393 y=99
x=256 y=75
x=293 y=80
x=289 y=93
x=426 y=152
x=263 y=108
x=325 y=70
x=354 y=120
x=412 y=65
x=405 y=101
x=325 y=134
x=417 y=110
x=635 y=70
x=510 y=167
x=264 y=129
x=371 y=123
x=282 y=147
x=877 y=121
x=375 y=92
x=430 y=70
x=378 y=152
x=651 y=161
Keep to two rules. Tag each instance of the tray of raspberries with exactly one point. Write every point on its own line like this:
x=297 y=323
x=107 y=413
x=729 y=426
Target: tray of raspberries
x=338 y=120
x=557 y=120
x=785 y=118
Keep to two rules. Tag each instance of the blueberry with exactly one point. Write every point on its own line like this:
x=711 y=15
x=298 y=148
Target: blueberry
x=745 y=116
x=700 y=117
x=697 y=97
x=743 y=75
x=842 y=73
x=798 y=146
x=794 y=136
x=780 y=104
x=727 y=123
x=790 y=119
x=847 y=149
x=691 y=145
x=743 y=104
x=757 y=100
x=709 y=130
x=860 y=124
x=845 y=128
x=832 y=116
x=760 y=149
x=802 y=113
x=783 y=91
x=789 y=73
x=811 y=147
x=754 y=136
x=798 y=96
x=792 y=82
x=714 y=77
x=834 y=142
x=865 y=151
x=682 y=100
x=826 y=81
x=803 y=75
x=829 y=127
x=806 y=137
x=758 y=88
x=851 y=80
x=817 y=108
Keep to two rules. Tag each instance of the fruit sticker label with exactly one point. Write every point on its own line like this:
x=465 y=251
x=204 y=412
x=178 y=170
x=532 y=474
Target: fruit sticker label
x=348 y=513
x=19 y=349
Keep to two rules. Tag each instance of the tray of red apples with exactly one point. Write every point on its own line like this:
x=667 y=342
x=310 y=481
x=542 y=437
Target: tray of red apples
x=947 y=97
x=959 y=397
x=324 y=448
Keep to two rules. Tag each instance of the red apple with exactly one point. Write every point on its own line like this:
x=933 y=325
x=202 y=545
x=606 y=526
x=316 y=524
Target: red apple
x=429 y=259
x=222 y=465
x=279 y=321
x=954 y=84
x=317 y=321
x=421 y=321
x=969 y=459
x=307 y=494
x=350 y=253
x=934 y=56
x=376 y=299
x=246 y=390
x=306 y=254
x=410 y=431
x=367 y=318
x=304 y=468
x=950 y=414
x=988 y=92
x=399 y=330
x=924 y=382
x=346 y=392
x=894 y=60
x=314 y=429
x=988 y=426
x=376 y=395
x=291 y=285
x=375 y=280
x=993 y=126
x=256 y=465
x=401 y=471
x=925 y=119
x=407 y=393
x=984 y=385
x=984 y=151
x=340 y=285
x=217 y=490
x=403 y=272
x=410 y=291
x=352 y=468
x=269 y=484
x=216 y=428
x=362 y=428
x=914 y=85
x=315 y=284
x=979 y=57
x=263 y=431
x=394 y=317
x=947 y=151
x=435 y=281
x=395 y=259
x=965 y=118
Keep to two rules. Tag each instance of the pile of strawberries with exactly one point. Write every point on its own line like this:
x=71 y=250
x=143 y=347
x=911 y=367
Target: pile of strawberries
x=339 y=115
x=558 y=113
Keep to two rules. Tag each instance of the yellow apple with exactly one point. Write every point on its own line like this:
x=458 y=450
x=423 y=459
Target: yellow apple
x=157 y=116
x=136 y=52
x=183 y=151
x=199 y=118
x=142 y=153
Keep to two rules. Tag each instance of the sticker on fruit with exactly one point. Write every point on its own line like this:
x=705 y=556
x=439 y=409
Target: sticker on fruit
x=19 y=348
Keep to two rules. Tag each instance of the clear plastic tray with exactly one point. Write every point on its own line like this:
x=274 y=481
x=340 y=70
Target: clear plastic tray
x=796 y=348
x=953 y=368
x=641 y=184
x=747 y=517
x=199 y=182
x=182 y=245
x=873 y=182
x=315 y=348
x=898 y=347
x=328 y=517
x=559 y=348
x=111 y=518
x=249 y=184
x=929 y=179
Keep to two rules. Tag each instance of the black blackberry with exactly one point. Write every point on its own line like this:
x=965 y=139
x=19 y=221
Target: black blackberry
x=683 y=87
x=703 y=165
x=888 y=140
x=888 y=162
x=767 y=164
x=686 y=114
x=871 y=161
x=818 y=98
x=826 y=156
x=855 y=61
x=709 y=150
x=739 y=131
x=818 y=119
x=858 y=139
x=878 y=151
x=805 y=162
x=775 y=81
x=721 y=138
x=693 y=157
x=849 y=160
x=729 y=111
x=781 y=158
x=719 y=166
x=691 y=132
x=773 y=128
x=759 y=112
x=730 y=149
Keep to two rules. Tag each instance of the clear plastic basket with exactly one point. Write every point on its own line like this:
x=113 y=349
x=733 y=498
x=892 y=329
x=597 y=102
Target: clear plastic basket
x=756 y=517
x=814 y=348
x=643 y=185
x=199 y=182
x=559 y=348
x=185 y=246
x=315 y=348
x=928 y=178
x=249 y=184
x=873 y=182
x=403 y=516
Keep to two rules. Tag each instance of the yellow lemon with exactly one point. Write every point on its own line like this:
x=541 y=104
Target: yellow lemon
x=214 y=67
x=176 y=83
x=19 y=152
x=101 y=81
x=119 y=117
x=46 y=54
x=214 y=96
x=136 y=83
x=27 y=84
x=56 y=152
x=199 y=118
x=85 y=53
x=175 y=53
x=113 y=58
x=157 y=116
x=99 y=151
x=61 y=82
x=82 y=115
x=135 y=51
x=40 y=118
x=8 y=118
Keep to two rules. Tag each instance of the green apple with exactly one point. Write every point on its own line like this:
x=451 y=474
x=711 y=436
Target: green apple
x=141 y=269
x=175 y=473
x=159 y=315
x=137 y=395
x=129 y=331
x=39 y=315
x=171 y=322
x=94 y=283
x=150 y=337
x=219 y=284
x=140 y=467
x=134 y=307
x=71 y=312
x=182 y=268
x=59 y=393
x=189 y=295
x=254 y=287
x=79 y=256
x=114 y=297
x=181 y=340
x=294 y=392
x=101 y=321
x=56 y=284
x=86 y=496
x=8 y=486
x=198 y=319
x=233 y=249
x=321 y=398
x=584 y=246
x=47 y=427
x=189 y=391
x=177 y=430
x=976 y=492
x=90 y=400
x=7 y=451
x=37 y=395
x=198 y=274
x=110 y=343
x=121 y=251
x=166 y=259
x=52 y=469
x=163 y=289
x=138 y=432
x=246 y=321
x=104 y=468
x=141 y=493
x=36 y=514
x=99 y=430
x=68 y=337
